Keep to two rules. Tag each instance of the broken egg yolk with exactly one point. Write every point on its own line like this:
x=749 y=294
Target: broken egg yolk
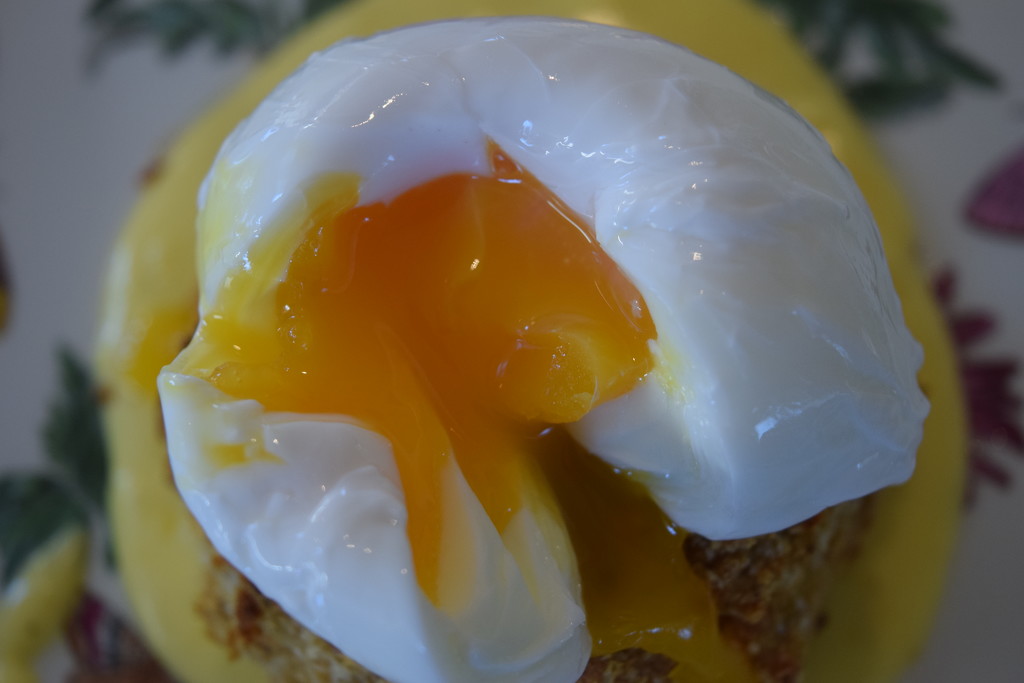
x=464 y=321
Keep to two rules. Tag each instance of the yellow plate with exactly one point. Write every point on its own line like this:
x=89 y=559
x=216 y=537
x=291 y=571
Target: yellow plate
x=882 y=614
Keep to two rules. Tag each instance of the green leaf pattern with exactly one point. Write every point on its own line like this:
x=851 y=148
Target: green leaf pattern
x=35 y=506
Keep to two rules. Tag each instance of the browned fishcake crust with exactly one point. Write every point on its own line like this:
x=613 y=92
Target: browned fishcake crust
x=252 y=625
x=769 y=591
x=632 y=665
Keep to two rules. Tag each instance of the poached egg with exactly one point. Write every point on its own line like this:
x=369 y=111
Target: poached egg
x=430 y=252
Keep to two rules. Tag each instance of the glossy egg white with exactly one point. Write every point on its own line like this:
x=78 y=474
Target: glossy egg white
x=785 y=377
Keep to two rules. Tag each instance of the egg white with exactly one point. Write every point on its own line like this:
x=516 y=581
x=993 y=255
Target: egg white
x=785 y=378
x=317 y=520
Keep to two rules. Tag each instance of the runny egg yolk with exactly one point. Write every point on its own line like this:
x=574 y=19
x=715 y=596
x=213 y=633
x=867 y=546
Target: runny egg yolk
x=466 y=319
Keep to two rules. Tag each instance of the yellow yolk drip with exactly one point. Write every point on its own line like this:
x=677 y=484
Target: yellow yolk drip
x=461 y=321
x=638 y=588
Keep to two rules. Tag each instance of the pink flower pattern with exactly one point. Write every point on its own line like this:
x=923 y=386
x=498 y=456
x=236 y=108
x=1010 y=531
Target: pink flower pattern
x=997 y=205
x=993 y=408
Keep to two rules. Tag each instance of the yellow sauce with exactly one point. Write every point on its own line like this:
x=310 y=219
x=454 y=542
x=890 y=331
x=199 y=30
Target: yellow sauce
x=4 y=306
x=37 y=603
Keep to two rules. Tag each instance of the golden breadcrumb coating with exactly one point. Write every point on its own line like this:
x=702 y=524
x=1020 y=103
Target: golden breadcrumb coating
x=769 y=591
